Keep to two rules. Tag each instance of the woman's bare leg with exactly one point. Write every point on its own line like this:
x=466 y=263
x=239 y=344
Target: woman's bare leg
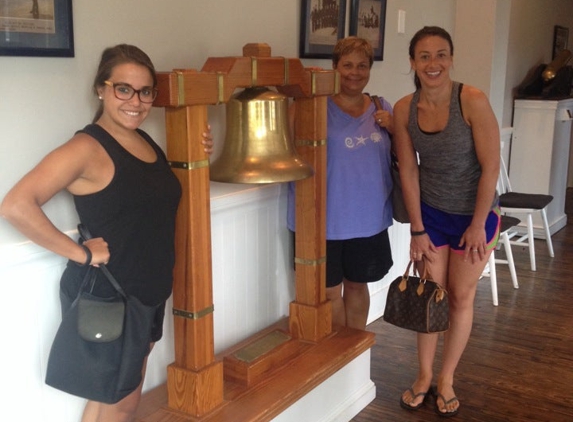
x=334 y=294
x=427 y=343
x=356 y=298
x=122 y=411
x=463 y=278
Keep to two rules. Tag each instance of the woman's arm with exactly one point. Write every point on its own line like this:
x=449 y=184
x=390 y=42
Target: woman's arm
x=409 y=176
x=485 y=130
x=73 y=166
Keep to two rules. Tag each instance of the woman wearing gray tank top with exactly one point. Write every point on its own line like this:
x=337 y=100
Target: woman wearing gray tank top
x=450 y=195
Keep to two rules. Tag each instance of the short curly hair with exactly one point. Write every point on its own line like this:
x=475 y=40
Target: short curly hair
x=351 y=44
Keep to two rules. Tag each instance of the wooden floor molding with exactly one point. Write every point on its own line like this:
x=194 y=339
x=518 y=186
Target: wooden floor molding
x=518 y=365
x=266 y=399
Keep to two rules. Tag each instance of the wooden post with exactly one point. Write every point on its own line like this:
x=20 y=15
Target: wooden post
x=194 y=380
x=310 y=313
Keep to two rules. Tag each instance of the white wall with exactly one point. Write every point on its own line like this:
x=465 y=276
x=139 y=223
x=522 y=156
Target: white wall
x=44 y=100
x=531 y=40
x=480 y=54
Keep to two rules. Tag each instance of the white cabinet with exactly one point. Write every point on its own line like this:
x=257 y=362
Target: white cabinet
x=540 y=154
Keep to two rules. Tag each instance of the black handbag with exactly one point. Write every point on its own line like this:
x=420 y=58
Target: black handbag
x=398 y=208
x=417 y=303
x=100 y=347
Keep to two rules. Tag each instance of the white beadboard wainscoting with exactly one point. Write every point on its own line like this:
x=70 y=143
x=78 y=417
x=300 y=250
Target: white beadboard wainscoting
x=252 y=288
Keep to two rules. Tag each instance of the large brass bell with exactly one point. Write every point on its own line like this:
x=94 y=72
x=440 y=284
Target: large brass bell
x=258 y=147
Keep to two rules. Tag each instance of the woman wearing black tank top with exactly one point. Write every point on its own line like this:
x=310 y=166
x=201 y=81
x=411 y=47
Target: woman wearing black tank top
x=450 y=197
x=125 y=84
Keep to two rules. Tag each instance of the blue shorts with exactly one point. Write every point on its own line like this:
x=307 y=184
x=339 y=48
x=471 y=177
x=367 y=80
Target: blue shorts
x=446 y=229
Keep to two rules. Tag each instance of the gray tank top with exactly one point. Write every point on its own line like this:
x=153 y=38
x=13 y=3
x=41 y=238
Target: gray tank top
x=449 y=169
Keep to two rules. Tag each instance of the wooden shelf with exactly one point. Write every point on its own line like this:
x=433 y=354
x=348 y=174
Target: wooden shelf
x=280 y=388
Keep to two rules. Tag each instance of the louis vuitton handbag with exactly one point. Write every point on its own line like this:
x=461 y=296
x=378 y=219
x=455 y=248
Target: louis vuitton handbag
x=417 y=303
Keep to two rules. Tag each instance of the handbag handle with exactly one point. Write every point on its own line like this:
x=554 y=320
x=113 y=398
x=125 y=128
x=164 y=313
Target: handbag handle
x=425 y=275
x=86 y=235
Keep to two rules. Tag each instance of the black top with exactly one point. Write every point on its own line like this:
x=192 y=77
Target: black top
x=135 y=215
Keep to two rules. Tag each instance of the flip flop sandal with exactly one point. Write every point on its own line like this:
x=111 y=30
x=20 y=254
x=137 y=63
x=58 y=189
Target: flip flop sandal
x=446 y=414
x=407 y=406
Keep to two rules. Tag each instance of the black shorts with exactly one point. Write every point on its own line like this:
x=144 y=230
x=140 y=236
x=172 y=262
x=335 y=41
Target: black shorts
x=362 y=260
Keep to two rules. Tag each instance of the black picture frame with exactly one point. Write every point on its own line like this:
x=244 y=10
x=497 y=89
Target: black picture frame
x=560 y=39
x=44 y=28
x=322 y=24
x=368 y=21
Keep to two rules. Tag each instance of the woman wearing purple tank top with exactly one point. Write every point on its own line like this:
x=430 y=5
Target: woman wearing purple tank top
x=450 y=197
x=359 y=186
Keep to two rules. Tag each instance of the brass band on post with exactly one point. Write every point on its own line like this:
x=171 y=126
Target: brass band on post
x=180 y=89
x=309 y=143
x=313 y=262
x=336 y=82
x=313 y=84
x=254 y=65
x=220 y=88
x=193 y=315
x=189 y=166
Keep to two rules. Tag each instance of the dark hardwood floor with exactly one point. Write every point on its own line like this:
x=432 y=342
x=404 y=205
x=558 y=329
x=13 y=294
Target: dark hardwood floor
x=518 y=365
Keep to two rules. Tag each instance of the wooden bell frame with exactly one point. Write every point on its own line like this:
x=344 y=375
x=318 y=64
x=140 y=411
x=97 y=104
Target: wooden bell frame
x=292 y=356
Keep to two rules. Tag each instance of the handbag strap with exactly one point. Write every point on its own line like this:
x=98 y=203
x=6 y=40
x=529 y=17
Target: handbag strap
x=86 y=235
x=425 y=276
x=376 y=100
x=378 y=104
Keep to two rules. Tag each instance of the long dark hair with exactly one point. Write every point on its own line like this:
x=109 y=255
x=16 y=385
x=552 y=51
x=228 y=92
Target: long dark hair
x=428 y=31
x=115 y=56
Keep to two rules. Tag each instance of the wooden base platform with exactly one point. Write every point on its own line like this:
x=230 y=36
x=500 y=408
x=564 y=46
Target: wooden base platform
x=278 y=389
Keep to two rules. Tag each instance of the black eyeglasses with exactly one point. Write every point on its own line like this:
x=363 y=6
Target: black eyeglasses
x=124 y=92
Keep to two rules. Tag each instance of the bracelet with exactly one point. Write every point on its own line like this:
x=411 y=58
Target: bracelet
x=88 y=256
x=420 y=233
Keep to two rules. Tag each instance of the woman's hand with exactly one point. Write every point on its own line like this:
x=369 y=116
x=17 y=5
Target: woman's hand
x=420 y=247
x=385 y=120
x=207 y=141
x=99 y=250
x=474 y=240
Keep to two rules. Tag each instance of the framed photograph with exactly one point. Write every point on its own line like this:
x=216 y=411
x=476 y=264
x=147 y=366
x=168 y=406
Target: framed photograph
x=560 y=39
x=322 y=24
x=36 y=28
x=368 y=20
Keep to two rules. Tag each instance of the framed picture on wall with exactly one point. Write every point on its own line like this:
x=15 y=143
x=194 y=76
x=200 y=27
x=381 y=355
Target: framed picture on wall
x=36 y=28
x=367 y=20
x=322 y=24
x=560 y=39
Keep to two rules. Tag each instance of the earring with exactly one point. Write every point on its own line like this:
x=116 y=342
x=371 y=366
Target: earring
x=100 y=97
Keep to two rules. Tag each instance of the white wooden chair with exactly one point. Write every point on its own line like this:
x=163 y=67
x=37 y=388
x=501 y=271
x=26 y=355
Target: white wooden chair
x=507 y=223
x=528 y=204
